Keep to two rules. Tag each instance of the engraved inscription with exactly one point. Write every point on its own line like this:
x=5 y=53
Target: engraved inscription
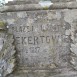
x=41 y=43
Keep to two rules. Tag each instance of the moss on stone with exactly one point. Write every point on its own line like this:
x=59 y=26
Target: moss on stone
x=46 y=8
x=2 y=25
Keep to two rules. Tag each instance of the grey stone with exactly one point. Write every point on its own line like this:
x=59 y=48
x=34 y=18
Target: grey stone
x=41 y=41
x=45 y=39
x=7 y=59
x=33 y=7
x=33 y=1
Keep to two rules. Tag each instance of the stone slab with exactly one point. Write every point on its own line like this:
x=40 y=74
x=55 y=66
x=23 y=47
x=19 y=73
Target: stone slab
x=40 y=38
x=33 y=1
x=35 y=7
x=42 y=42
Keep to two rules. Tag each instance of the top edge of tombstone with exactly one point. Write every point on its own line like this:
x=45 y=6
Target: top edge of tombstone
x=33 y=1
x=18 y=2
x=15 y=6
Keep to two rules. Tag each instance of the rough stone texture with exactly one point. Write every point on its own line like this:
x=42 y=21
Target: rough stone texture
x=33 y=1
x=33 y=7
x=36 y=2
x=43 y=42
x=7 y=58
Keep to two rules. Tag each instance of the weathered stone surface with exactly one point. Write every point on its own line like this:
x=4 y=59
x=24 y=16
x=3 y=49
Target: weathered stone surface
x=7 y=58
x=33 y=7
x=45 y=40
x=33 y=1
x=42 y=42
x=17 y=2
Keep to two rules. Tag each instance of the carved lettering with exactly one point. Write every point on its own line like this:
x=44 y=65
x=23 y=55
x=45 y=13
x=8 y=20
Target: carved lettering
x=42 y=39
x=24 y=40
x=30 y=40
x=35 y=40
x=47 y=39
x=22 y=28
x=34 y=49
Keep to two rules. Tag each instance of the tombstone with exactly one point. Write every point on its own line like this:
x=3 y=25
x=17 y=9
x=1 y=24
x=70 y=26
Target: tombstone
x=45 y=38
x=36 y=1
x=46 y=0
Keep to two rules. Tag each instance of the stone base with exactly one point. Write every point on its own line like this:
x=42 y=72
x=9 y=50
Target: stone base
x=57 y=72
